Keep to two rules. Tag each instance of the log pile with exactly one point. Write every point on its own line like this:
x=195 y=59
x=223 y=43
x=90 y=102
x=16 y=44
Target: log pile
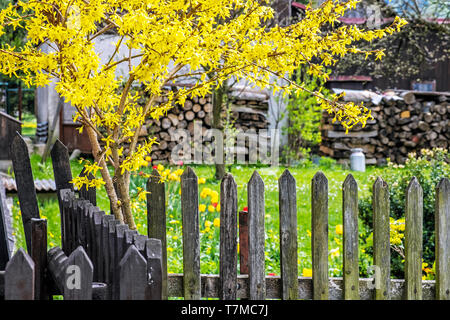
x=403 y=122
x=248 y=111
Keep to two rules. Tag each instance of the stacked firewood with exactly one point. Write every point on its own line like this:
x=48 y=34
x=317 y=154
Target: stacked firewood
x=403 y=122
x=248 y=111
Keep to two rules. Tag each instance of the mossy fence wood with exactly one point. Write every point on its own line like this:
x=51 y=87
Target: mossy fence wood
x=117 y=263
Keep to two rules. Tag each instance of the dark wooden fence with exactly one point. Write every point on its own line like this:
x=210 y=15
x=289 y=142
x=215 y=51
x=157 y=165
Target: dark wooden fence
x=118 y=263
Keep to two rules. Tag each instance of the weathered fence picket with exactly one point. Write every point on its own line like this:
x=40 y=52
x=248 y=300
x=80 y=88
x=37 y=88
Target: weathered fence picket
x=19 y=277
x=133 y=275
x=413 y=240
x=5 y=225
x=381 y=240
x=191 y=235
x=118 y=254
x=350 y=241
x=39 y=256
x=78 y=276
x=88 y=193
x=442 y=226
x=288 y=236
x=256 y=238
x=319 y=235
x=156 y=219
x=153 y=252
x=228 y=241
x=26 y=191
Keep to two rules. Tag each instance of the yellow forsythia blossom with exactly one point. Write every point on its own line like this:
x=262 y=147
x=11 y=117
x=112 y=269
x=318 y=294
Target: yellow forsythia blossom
x=339 y=229
x=216 y=222
x=202 y=208
x=307 y=272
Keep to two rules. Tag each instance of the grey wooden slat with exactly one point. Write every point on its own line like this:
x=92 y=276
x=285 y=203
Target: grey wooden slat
x=350 y=243
x=73 y=225
x=90 y=193
x=243 y=242
x=128 y=239
x=139 y=241
x=26 y=191
x=86 y=213
x=256 y=235
x=156 y=219
x=5 y=230
x=65 y=204
x=98 y=253
x=319 y=235
x=442 y=247
x=191 y=234
x=413 y=240
x=106 y=252
x=39 y=256
x=78 y=287
x=288 y=236
x=113 y=259
x=119 y=252
x=228 y=241
x=381 y=239
x=153 y=253
x=19 y=277
x=133 y=275
x=62 y=174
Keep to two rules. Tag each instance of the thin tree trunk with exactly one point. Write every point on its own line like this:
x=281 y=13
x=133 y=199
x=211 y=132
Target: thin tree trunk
x=218 y=102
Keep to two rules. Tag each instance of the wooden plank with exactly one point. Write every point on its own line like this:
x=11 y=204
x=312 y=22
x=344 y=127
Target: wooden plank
x=5 y=230
x=413 y=240
x=86 y=193
x=78 y=276
x=133 y=275
x=319 y=235
x=106 y=256
x=191 y=234
x=139 y=241
x=381 y=239
x=288 y=236
x=65 y=195
x=118 y=253
x=153 y=252
x=62 y=175
x=256 y=236
x=39 y=256
x=228 y=241
x=156 y=219
x=210 y=287
x=113 y=260
x=243 y=242
x=128 y=239
x=97 y=245
x=26 y=191
x=350 y=243
x=442 y=240
x=19 y=277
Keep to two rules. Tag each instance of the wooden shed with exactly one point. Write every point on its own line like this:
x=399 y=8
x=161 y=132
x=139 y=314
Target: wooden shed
x=8 y=128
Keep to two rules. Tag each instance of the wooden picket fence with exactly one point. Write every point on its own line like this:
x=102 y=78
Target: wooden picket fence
x=118 y=263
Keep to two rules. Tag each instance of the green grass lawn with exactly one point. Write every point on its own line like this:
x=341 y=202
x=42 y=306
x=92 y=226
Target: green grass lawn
x=210 y=232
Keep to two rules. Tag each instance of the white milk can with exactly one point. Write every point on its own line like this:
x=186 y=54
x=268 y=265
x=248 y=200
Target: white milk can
x=357 y=160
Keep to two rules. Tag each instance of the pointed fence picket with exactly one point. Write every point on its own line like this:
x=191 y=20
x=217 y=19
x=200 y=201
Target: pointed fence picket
x=118 y=263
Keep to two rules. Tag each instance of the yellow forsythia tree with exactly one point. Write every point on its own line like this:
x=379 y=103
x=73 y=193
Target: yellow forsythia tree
x=174 y=40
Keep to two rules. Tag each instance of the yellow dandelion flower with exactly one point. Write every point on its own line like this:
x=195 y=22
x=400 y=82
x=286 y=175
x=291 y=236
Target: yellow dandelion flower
x=216 y=222
x=339 y=229
x=211 y=208
x=208 y=223
x=202 y=208
x=201 y=180
x=306 y=272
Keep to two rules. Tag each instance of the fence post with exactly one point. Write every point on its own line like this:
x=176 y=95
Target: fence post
x=85 y=193
x=153 y=252
x=39 y=256
x=119 y=253
x=97 y=252
x=413 y=240
x=19 y=277
x=113 y=259
x=351 y=253
x=319 y=236
x=191 y=235
x=133 y=275
x=78 y=276
x=256 y=237
x=156 y=219
x=243 y=242
x=62 y=175
x=106 y=258
x=5 y=230
x=381 y=239
x=26 y=191
x=442 y=225
x=288 y=236
x=228 y=241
